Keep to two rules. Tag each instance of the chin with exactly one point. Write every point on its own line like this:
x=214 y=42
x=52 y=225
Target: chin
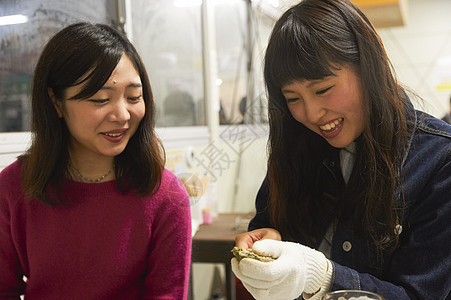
x=113 y=153
x=339 y=144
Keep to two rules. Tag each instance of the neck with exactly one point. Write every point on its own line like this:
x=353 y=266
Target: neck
x=95 y=170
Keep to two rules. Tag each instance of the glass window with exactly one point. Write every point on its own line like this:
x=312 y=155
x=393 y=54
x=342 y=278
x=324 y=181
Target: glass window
x=168 y=35
x=242 y=33
x=232 y=44
x=21 y=40
x=257 y=109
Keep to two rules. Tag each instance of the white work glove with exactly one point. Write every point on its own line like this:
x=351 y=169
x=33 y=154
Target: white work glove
x=297 y=269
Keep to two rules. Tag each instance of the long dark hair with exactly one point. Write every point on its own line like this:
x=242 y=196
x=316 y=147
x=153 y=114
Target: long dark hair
x=73 y=52
x=306 y=42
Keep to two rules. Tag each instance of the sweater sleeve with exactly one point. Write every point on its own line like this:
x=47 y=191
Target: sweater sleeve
x=170 y=252
x=11 y=282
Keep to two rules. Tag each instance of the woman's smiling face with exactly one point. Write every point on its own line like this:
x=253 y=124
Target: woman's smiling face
x=332 y=107
x=101 y=126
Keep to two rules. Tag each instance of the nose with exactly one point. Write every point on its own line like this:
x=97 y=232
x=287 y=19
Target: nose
x=120 y=111
x=314 y=110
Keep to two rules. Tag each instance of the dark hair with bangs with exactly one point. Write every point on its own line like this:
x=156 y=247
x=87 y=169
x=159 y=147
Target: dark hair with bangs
x=306 y=42
x=77 y=50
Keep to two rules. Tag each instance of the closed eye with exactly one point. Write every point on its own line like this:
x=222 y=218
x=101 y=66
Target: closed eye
x=135 y=98
x=320 y=92
x=99 y=101
x=292 y=100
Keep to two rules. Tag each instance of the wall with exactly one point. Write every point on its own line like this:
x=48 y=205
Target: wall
x=421 y=52
x=235 y=164
x=243 y=166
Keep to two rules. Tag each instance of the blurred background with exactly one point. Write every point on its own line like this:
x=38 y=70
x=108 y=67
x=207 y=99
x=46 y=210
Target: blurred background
x=204 y=59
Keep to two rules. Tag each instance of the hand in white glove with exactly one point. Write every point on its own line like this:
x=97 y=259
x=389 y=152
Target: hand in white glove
x=297 y=269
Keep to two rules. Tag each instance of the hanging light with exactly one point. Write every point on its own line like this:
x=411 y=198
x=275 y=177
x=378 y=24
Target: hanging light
x=13 y=19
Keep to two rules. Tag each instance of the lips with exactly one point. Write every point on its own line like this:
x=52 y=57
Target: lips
x=331 y=129
x=114 y=136
x=115 y=133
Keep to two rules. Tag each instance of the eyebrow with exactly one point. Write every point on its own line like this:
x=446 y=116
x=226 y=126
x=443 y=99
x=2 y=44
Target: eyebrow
x=131 y=85
x=316 y=81
x=309 y=85
x=287 y=91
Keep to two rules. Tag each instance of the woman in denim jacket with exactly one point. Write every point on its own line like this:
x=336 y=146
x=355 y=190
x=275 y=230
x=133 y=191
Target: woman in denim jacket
x=357 y=194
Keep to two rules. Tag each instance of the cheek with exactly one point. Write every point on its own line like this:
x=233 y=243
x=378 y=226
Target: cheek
x=74 y=117
x=139 y=112
x=355 y=115
x=356 y=107
x=297 y=112
x=142 y=111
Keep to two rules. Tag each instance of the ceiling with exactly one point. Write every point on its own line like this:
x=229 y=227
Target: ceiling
x=382 y=13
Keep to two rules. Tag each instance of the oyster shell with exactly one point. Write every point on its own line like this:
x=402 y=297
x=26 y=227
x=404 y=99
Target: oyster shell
x=248 y=253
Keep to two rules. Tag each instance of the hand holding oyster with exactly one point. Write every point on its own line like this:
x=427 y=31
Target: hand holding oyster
x=249 y=253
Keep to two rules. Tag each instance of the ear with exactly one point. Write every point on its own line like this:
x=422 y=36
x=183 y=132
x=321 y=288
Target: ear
x=57 y=104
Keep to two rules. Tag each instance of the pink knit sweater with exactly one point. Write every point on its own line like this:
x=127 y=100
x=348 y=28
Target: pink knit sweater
x=105 y=246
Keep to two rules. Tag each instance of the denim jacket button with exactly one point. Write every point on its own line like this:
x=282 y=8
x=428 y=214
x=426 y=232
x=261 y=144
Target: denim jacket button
x=347 y=246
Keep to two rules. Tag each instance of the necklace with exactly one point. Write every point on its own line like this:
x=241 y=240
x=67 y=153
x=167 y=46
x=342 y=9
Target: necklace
x=92 y=180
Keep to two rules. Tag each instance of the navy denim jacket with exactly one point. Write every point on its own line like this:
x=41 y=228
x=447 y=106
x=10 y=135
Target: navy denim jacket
x=420 y=268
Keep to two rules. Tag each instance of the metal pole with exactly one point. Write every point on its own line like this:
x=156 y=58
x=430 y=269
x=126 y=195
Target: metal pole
x=210 y=65
x=250 y=105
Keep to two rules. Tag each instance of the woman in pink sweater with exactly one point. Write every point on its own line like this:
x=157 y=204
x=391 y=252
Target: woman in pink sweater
x=89 y=212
